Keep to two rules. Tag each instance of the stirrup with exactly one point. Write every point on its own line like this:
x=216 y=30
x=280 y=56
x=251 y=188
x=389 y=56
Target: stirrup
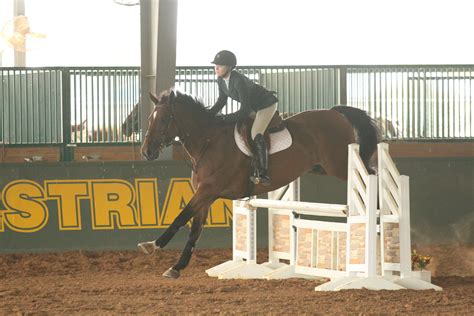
x=257 y=179
x=148 y=247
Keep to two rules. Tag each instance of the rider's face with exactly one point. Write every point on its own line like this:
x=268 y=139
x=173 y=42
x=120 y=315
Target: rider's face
x=221 y=70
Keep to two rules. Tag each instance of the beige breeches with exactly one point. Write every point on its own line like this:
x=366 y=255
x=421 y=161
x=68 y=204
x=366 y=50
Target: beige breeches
x=262 y=119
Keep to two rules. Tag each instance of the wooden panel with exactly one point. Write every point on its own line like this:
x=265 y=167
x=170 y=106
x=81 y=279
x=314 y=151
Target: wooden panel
x=28 y=154
x=465 y=149
x=132 y=153
x=107 y=153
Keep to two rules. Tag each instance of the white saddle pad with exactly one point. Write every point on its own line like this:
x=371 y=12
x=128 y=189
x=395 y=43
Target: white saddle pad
x=279 y=141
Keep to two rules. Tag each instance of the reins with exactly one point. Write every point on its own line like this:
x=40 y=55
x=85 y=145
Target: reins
x=182 y=139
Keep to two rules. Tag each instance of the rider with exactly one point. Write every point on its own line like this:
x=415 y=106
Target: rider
x=255 y=101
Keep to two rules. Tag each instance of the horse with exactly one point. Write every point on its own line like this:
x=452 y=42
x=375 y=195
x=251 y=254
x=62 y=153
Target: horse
x=220 y=170
x=132 y=122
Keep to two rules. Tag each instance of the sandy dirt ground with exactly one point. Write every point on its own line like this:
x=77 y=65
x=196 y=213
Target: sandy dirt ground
x=128 y=282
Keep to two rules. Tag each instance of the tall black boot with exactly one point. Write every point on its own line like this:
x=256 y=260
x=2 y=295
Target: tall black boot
x=262 y=159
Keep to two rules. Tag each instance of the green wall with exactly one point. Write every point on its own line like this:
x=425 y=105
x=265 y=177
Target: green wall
x=52 y=237
x=442 y=203
x=441 y=197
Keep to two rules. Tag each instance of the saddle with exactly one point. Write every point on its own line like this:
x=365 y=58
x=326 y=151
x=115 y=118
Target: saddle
x=244 y=128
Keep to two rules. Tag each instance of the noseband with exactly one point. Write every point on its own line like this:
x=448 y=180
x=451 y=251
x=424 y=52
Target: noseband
x=167 y=120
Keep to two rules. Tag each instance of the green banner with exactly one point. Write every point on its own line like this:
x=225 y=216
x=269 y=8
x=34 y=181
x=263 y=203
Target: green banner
x=96 y=205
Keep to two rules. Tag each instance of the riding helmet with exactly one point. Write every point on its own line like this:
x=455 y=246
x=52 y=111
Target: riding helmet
x=225 y=57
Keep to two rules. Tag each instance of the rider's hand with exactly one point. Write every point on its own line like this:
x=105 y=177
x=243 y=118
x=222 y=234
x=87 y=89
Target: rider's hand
x=210 y=111
x=220 y=117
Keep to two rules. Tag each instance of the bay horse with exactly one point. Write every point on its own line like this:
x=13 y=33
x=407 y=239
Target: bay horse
x=221 y=170
x=132 y=122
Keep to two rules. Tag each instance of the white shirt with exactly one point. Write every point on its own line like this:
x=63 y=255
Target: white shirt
x=227 y=83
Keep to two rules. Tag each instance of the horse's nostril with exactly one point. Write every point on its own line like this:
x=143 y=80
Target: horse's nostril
x=148 y=154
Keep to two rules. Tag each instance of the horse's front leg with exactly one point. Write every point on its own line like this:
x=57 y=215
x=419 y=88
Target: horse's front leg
x=184 y=216
x=149 y=247
x=200 y=203
x=196 y=228
x=198 y=207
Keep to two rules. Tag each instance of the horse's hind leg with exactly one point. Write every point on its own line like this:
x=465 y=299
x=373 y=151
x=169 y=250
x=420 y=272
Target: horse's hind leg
x=196 y=229
x=335 y=164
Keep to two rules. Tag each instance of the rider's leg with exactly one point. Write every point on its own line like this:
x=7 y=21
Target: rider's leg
x=260 y=124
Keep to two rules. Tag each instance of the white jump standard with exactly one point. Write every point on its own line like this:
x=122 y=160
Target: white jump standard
x=345 y=252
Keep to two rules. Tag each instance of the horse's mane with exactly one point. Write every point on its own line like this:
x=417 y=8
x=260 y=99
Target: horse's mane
x=190 y=101
x=193 y=104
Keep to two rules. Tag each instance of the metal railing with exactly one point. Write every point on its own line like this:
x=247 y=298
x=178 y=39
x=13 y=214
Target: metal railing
x=299 y=88
x=31 y=105
x=64 y=105
x=416 y=102
x=89 y=105
x=101 y=100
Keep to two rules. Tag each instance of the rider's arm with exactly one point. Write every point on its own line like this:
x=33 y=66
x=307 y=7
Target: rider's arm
x=245 y=107
x=221 y=101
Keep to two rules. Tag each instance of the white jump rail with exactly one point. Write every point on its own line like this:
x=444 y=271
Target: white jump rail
x=243 y=264
x=360 y=232
x=281 y=235
x=345 y=251
x=244 y=247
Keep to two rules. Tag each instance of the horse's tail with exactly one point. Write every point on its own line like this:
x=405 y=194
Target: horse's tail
x=366 y=130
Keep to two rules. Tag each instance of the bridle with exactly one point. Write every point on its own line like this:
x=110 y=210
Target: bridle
x=164 y=141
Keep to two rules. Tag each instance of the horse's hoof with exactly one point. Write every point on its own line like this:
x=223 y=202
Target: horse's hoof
x=171 y=274
x=148 y=247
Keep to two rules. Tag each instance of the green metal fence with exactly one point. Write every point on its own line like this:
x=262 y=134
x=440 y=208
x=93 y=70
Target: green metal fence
x=429 y=102
x=64 y=105
x=101 y=99
x=31 y=105
x=84 y=105
x=416 y=102
x=299 y=88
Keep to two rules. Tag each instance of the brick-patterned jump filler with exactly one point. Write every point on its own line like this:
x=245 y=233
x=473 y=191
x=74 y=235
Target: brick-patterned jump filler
x=346 y=252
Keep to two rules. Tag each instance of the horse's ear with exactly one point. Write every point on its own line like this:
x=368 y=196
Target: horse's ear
x=154 y=98
x=172 y=96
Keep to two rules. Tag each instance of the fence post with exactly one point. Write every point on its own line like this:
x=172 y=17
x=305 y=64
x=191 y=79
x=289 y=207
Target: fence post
x=404 y=228
x=343 y=85
x=67 y=152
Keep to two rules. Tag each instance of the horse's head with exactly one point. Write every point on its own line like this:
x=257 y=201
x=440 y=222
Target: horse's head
x=162 y=129
x=132 y=122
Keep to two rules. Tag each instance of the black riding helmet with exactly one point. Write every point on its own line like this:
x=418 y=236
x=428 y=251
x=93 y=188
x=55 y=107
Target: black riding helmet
x=225 y=57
